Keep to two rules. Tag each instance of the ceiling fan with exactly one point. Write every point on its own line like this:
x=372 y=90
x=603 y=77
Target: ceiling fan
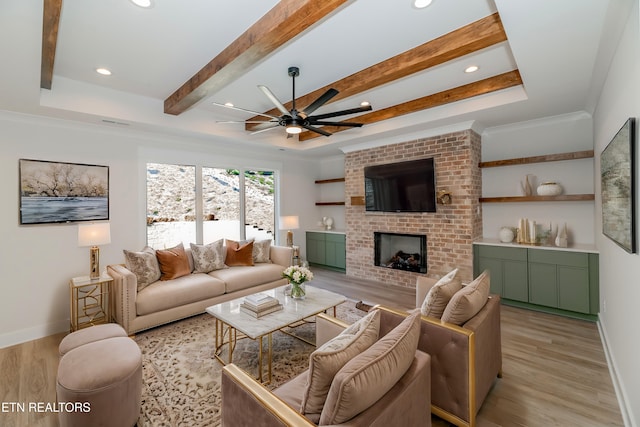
x=294 y=120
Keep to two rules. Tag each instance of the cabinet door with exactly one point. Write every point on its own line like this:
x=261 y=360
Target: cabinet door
x=316 y=248
x=573 y=288
x=508 y=269
x=495 y=270
x=543 y=284
x=335 y=254
x=515 y=282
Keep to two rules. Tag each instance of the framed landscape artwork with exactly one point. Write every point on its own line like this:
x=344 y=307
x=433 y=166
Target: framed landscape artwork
x=617 y=169
x=55 y=192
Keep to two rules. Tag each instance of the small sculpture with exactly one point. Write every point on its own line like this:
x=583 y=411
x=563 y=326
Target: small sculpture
x=562 y=239
x=526 y=186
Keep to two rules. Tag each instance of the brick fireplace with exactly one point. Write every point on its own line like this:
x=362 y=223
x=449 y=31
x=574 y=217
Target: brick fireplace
x=449 y=232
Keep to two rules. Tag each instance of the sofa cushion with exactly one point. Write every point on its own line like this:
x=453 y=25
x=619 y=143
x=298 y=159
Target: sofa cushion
x=144 y=265
x=237 y=278
x=261 y=251
x=161 y=295
x=370 y=375
x=468 y=301
x=173 y=262
x=239 y=254
x=327 y=360
x=439 y=295
x=208 y=257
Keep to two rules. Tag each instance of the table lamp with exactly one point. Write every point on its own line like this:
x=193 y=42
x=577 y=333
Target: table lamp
x=94 y=235
x=289 y=223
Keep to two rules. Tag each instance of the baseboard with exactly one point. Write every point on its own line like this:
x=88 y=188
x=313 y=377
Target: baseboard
x=29 y=334
x=615 y=378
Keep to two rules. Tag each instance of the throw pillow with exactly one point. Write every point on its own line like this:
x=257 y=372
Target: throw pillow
x=327 y=360
x=144 y=265
x=262 y=251
x=173 y=262
x=239 y=254
x=468 y=301
x=208 y=257
x=439 y=295
x=370 y=375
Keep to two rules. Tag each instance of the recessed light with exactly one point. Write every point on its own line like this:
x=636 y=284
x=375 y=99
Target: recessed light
x=471 y=69
x=142 y=3
x=228 y=104
x=103 y=71
x=421 y=4
x=364 y=103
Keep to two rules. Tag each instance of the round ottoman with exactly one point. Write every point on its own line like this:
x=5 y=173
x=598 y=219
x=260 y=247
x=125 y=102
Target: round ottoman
x=100 y=384
x=92 y=334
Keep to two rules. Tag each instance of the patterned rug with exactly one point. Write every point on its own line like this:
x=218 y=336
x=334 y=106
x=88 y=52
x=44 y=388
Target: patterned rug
x=182 y=378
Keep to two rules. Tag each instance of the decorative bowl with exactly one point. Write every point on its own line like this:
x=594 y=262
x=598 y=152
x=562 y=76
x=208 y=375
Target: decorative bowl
x=549 y=189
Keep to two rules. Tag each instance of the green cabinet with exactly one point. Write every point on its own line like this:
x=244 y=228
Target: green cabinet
x=557 y=281
x=327 y=249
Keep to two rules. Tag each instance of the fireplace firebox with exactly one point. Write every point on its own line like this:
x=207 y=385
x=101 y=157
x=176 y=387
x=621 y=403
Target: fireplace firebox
x=401 y=251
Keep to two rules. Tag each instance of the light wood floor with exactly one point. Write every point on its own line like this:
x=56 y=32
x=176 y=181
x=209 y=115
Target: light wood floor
x=554 y=368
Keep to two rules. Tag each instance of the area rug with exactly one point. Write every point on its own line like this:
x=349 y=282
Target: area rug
x=181 y=377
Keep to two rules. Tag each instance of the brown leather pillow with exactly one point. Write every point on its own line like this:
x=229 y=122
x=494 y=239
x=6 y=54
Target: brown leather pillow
x=173 y=262
x=239 y=255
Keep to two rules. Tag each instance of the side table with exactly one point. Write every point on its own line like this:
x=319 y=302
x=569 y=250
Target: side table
x=89 y=301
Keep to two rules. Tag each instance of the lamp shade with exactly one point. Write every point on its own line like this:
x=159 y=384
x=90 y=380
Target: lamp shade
x=94 y=234
x=289 y=223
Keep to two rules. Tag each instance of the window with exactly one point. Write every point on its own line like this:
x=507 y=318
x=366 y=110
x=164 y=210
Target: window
x=232 y=203
x=170 y=205
x=259 y=204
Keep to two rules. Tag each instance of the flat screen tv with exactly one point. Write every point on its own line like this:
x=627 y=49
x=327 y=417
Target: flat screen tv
x=401 y=187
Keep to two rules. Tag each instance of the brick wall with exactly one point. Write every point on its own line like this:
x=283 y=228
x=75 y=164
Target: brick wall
x=450 y=231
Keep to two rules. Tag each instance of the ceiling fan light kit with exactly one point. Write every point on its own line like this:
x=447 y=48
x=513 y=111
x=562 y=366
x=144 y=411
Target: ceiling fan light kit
x=295 y=121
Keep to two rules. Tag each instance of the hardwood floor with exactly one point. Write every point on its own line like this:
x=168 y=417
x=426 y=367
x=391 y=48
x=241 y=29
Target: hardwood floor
x=554 y=368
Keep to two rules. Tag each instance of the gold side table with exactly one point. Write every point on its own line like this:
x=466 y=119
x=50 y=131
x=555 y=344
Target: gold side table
x=89 y=301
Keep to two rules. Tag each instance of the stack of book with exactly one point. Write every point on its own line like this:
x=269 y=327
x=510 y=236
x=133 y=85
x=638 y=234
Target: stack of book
x=258 y=305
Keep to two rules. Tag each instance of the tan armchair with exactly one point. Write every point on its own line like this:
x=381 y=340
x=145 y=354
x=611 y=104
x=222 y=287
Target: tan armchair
x=465 y=360
x=246 y=402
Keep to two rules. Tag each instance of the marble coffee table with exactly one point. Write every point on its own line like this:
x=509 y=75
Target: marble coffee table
x=232 y=324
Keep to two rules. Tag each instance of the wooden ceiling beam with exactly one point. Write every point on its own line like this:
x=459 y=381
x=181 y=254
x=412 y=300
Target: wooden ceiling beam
x=492 y=84
x=50 y=23
x=286 y=20
x=470 y=38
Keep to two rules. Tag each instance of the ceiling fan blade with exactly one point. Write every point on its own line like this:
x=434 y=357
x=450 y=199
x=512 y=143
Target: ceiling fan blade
x=246 y=111
x=316 y=130
x=275 y=100
x=243 y=121
x=341 y=113
x=265 y=129
x=320 y=122
x=322 y=99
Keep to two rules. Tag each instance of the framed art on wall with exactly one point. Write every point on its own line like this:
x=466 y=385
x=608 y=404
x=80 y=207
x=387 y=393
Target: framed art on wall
x=55 y=192
x=617 y=174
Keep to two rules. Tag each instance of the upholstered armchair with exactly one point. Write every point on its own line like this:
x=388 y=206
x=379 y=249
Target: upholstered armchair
x=246 y=402
x=465 y=359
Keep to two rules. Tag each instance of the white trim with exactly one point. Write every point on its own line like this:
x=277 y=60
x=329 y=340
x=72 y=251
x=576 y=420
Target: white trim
x=36 y=332
x=623 y=400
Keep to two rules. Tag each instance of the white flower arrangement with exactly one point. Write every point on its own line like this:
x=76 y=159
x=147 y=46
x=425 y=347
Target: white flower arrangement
x=297 y=274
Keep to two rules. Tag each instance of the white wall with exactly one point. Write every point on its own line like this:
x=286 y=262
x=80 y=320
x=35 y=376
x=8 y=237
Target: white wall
x=553 y=135
x=619 y=270
x=38 y=260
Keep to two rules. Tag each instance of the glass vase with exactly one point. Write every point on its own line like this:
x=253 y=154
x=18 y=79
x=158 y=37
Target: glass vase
x=298 y=291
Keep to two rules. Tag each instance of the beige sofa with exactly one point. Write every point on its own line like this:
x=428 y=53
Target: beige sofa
x=166 y=301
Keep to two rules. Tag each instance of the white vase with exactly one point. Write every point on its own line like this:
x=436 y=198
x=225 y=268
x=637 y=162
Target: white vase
x=549 y=189
x=506 y=235
x=562 y=240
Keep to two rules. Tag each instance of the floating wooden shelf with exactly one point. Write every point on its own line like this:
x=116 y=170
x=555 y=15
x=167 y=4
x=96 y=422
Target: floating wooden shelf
x=329 y=203
x=329 y=181
x=538 y=159
x=561 y=198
